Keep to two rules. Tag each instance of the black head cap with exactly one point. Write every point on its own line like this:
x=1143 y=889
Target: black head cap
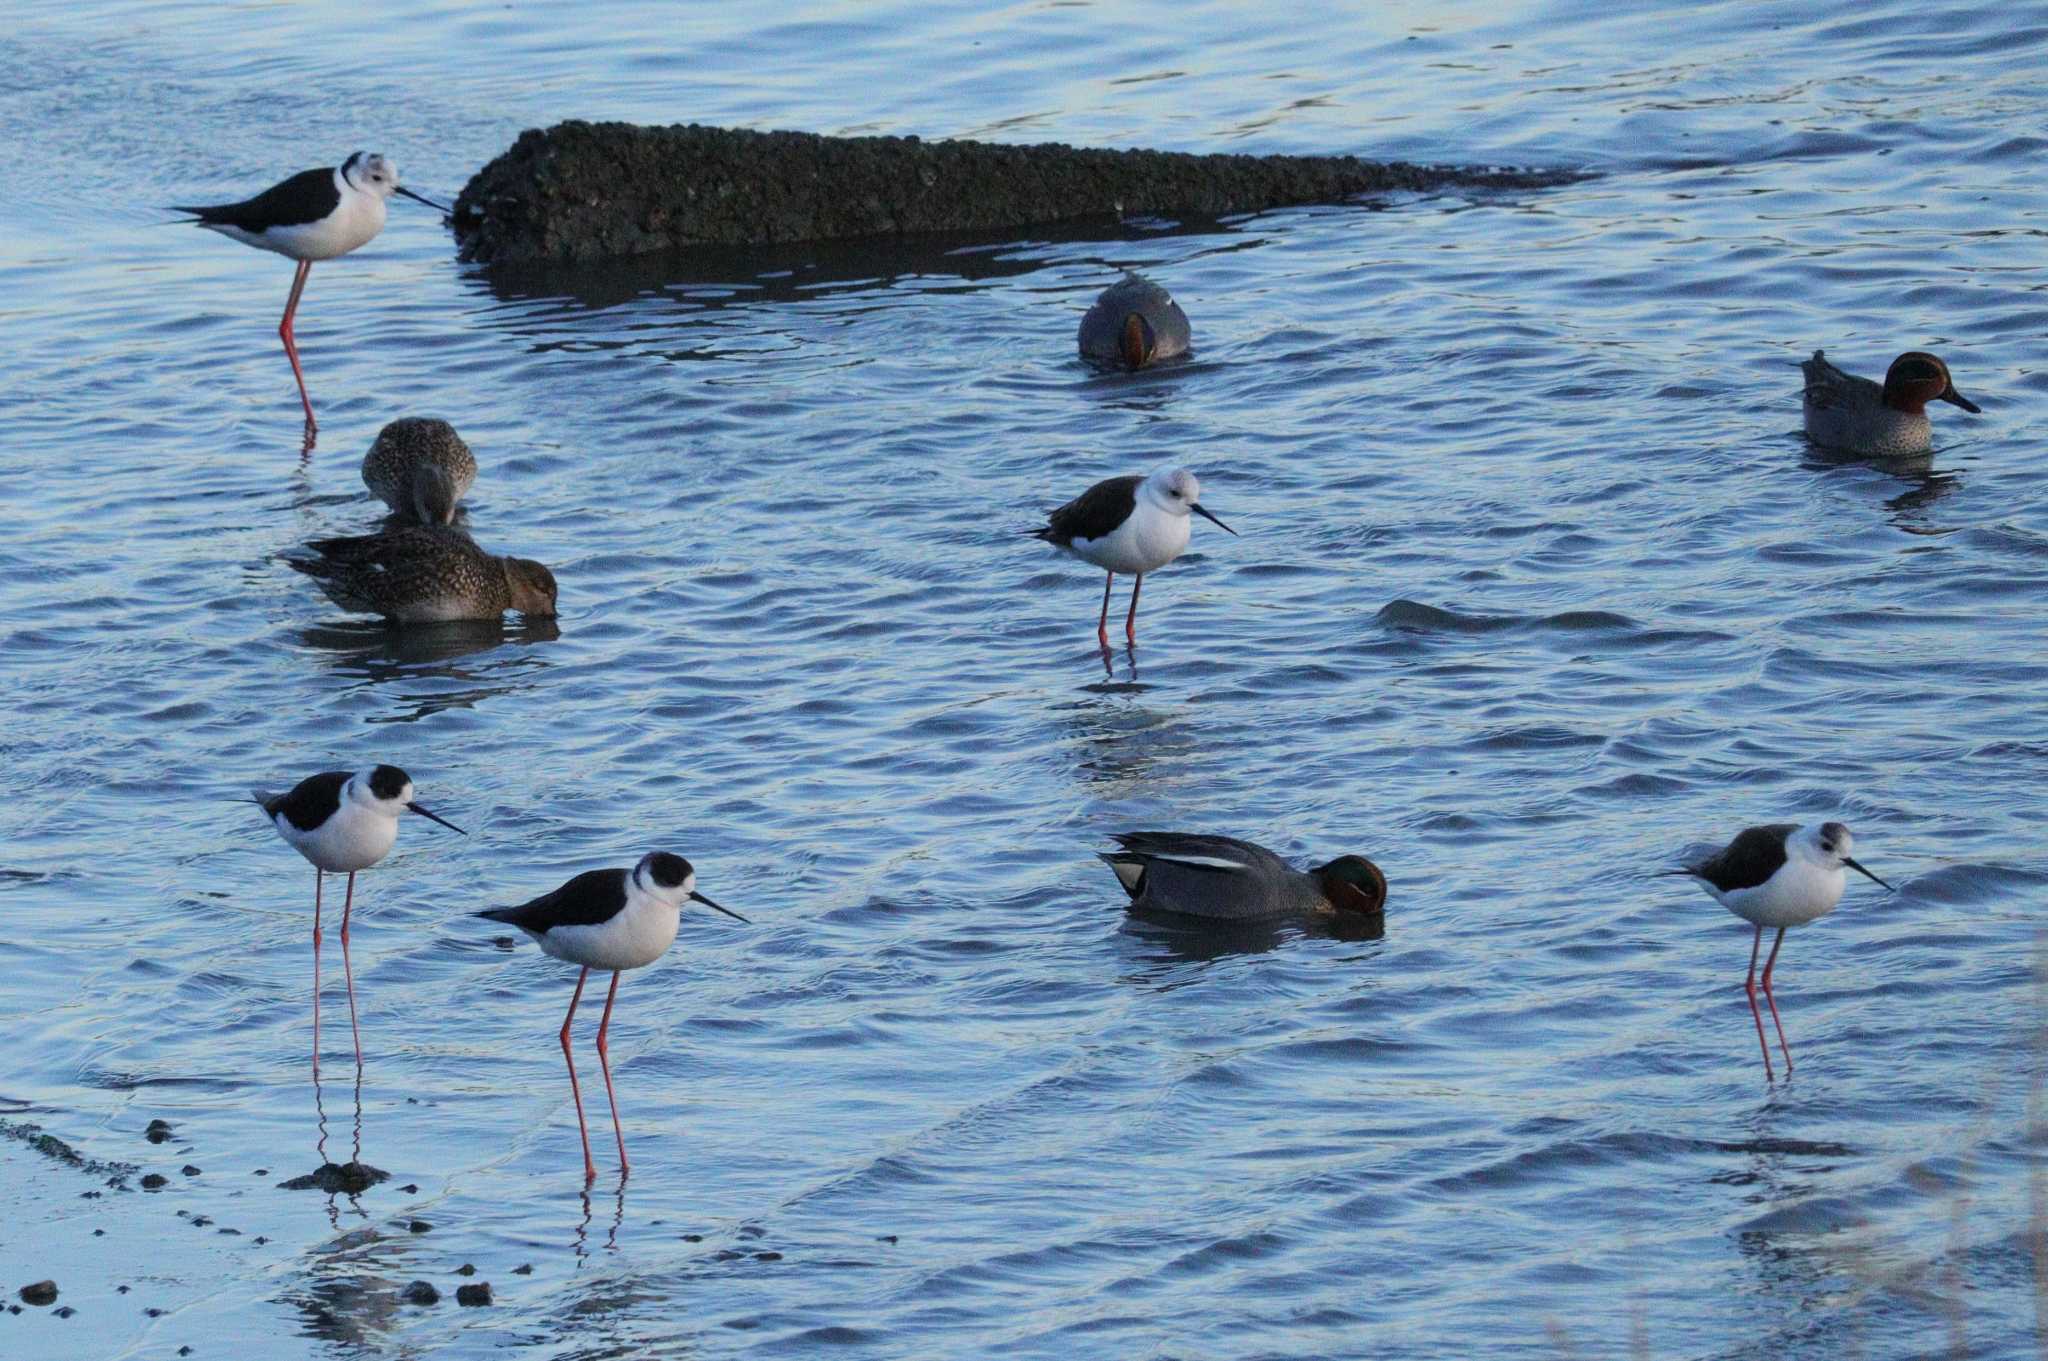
x=670 y=871
x=388 y=782
x=1833 y=835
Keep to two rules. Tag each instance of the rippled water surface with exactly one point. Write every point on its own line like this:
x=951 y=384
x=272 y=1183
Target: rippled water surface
x=1538 y=587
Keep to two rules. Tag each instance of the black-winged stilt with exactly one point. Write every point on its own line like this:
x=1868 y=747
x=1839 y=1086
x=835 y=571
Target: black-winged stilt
x=1132 y=525
x=342 y=823
x=314 y=215
x=614 y=919
x=1781 y=875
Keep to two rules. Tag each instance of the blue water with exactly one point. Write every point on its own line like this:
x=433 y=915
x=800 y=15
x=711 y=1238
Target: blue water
x=1538 y=588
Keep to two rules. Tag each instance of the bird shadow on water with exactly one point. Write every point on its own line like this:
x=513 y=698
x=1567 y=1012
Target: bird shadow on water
x=383 y=654
x=1927 y=484
x=1164 y=940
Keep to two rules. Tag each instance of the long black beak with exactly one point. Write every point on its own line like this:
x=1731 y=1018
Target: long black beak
x=433 y=817
x=1196 y=507
x=700 y=898
x=1865 y=873
x=1960 y=400
x=445 y=212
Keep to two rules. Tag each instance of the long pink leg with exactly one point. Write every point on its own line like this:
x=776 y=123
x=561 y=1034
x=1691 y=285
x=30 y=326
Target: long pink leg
x=316 y=979
x=347 y=972
x=589 y=1167
x=1131 y=619
x=605 y=1062
x=291 y=349
x=1749 y=986
x=1102 y=624
x=1772 y=1002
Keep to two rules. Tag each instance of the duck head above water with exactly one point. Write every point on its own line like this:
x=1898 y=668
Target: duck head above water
x=532 y=586
x=1353 y=885
x=1917 y=378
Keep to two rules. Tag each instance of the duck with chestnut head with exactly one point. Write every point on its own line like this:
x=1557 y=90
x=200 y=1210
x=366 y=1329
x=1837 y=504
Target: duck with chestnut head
x=1223 y=879
x=1878 y=420
x=1135 y=323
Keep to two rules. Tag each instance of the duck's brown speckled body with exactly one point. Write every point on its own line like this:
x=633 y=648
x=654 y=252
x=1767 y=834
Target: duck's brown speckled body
x=423 y=574
x=420 y=468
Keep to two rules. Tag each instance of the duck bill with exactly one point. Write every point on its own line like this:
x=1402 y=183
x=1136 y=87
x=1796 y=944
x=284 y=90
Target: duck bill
x=700 y=898
x=1960 y=400
x=1197 y=509
x=434 y=817
x=416 y=198
x=1866 y=873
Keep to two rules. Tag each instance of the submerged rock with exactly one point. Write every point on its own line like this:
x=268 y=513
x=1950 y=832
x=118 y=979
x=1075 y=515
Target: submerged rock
x=589 y=191
x=473 y=1295
x=350 y=1178
x=421 y=1292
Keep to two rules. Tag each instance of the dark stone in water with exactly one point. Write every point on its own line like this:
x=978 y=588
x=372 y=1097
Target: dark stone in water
x=473 y=1295
x=41 y=1292
x=525 y=1269
x=63 y=1311
x=158 y=1131
x=590 y=191
x=466 y=1269
x=767 y=1256
x=154 y=1180
x=421 y=1292
x=419 y=1226
x=345 y=1178
x=189 y=1170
